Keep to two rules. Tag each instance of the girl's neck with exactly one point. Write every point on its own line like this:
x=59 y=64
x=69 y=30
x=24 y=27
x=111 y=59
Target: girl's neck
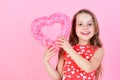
x=83 y=42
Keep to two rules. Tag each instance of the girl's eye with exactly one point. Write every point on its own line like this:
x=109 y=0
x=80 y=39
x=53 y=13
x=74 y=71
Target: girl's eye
x=80 y=24
x=90 y=24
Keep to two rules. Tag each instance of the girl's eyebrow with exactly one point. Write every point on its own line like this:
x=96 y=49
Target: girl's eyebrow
x=88 y=21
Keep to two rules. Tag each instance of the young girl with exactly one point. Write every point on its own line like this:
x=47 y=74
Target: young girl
x=81 y=57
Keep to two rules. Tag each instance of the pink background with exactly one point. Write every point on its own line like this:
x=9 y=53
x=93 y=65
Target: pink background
x=21 y=55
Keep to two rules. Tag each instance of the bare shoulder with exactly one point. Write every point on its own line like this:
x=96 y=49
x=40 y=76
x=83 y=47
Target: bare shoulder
x=97 y=58
x=99 y=52
x=100 y=49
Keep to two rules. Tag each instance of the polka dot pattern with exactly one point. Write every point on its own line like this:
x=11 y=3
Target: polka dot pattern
x=71 y=70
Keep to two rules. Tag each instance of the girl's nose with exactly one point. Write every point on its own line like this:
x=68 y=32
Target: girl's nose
x=85 y=27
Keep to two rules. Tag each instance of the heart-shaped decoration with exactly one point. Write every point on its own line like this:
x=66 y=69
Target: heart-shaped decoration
x=38 y=23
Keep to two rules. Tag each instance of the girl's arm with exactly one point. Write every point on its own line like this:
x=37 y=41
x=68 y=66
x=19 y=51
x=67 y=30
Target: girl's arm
x=51 y=71
x=59 y=67
x=86 y=65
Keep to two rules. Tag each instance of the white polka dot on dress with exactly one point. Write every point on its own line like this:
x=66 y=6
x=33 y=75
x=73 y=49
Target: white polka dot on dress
x=71 y=66
x=87 y=57
x=72 y=72
x=79 y=53
x=84 y=77
x=77 y=70
x=68 y=69
x=89 y=78
x=91 y=54
x=88 y=51
x=69 y=62
x=92 y=74
x=69 y=76
x=68 y=56
x=83 y=50
x=78 y=76
x=81 y=74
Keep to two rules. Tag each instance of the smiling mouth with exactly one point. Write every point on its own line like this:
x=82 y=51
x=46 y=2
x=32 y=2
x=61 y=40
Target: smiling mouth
x=85 y=33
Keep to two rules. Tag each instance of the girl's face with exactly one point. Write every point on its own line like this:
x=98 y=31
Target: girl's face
x=84 y=27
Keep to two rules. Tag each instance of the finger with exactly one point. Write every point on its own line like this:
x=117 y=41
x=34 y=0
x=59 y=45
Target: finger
x=63 y=38
x=60 y=45
x=51 y=53
x=60 y=41
x=50 y=49
x=47 y=48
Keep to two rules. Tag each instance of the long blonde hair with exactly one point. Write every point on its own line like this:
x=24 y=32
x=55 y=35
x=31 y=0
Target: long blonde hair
x=95 y=41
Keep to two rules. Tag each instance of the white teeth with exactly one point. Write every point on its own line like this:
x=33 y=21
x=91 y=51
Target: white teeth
x=85 y=33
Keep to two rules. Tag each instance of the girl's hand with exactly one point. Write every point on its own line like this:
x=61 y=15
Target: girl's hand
x=63 y=43
x=49 y=52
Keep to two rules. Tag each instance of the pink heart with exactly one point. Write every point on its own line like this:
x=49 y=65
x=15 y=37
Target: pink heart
x=51 y=31
x=38 y=23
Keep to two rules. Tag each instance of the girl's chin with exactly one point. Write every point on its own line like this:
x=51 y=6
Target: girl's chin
x=85 y=38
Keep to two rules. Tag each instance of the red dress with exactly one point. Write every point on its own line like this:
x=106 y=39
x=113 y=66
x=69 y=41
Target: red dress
x=71 y=71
